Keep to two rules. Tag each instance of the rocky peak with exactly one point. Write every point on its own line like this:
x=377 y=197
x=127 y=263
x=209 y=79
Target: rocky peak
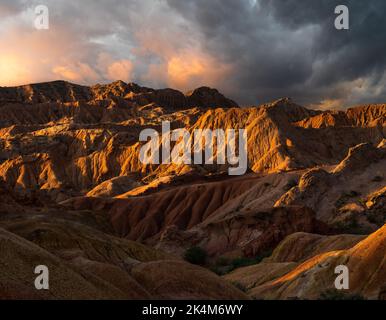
x=209 y=97
x=286 y=110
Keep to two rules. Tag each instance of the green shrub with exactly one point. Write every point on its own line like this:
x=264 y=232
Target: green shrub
x=225 y=265
x=196 y=255
x=244 y=262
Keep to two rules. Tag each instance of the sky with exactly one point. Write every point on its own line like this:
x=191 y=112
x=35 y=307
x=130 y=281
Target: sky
x=253 y=51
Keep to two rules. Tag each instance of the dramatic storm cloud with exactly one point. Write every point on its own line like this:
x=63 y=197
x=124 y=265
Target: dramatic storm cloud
x=252 y=50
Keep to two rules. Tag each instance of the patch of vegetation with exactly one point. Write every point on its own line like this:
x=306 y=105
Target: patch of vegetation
x=224 y=265
x=244 y=262
x=196 y=255
x=334 y=294
x=292 y=183
x=222 y=261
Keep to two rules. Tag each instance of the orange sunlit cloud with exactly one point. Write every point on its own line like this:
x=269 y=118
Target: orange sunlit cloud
x=191 y=69
x=328 y=104
x=63 y=52
x=188 y=69
x=78 y=72
x=12 y=70
x=29 y=55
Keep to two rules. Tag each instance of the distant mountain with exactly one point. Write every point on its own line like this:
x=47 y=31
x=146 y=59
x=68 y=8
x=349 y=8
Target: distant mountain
x=62 y=92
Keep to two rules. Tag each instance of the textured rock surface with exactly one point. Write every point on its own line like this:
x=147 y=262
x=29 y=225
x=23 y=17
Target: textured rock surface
x=74 y=194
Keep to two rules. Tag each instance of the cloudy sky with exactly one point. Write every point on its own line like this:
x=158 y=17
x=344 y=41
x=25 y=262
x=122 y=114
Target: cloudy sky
x=251 y=50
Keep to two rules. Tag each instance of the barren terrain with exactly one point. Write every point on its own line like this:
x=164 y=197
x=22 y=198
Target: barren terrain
x=75 y=197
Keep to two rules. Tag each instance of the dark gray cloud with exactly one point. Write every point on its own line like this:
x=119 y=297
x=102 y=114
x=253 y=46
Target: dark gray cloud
x=291 y=47
x=252 y=50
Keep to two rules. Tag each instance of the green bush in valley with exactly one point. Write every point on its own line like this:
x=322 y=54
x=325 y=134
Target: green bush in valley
x=196 y=255
x=244 y=262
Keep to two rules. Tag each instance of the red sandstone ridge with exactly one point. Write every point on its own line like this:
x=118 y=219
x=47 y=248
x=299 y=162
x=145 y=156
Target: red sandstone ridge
x=74 y=194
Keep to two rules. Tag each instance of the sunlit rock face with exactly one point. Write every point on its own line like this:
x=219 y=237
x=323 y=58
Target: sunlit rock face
x=74 y=193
